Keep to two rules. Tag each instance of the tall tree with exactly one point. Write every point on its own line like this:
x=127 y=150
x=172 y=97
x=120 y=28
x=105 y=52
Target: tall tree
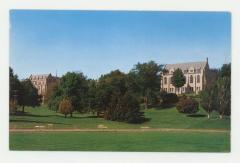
x=14 y=88
x=73 y=86
x=116 y=97
x=209 y=99
x=178 y=79
x=14 y=85
x=217 y=95
x=148 y=79
x=28 y=95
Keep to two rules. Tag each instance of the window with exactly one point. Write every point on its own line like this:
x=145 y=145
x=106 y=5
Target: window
x=191 y=79
x=165 y=80
x=198 y=78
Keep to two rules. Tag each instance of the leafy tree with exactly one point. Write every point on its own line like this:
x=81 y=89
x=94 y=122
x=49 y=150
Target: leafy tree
x=116 y=97
x=14 y=87
x=65 y=107
x=224 y=90
x=148 y=78
x=22 y=93
x=217 y=95
x=209 y=99
x=50 y=90
x=12 y=106
x=168 y=99
x=224 y=95
x=178 y=79
x=73 y=86
x=28 y=95
x=55 y=99
x=187 y=105
x=92 y=96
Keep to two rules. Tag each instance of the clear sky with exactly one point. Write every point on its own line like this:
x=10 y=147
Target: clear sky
x=96 y=42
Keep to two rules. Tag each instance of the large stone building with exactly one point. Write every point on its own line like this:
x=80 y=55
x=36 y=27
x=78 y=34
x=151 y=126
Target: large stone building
x=196 y=77
x=43 y=83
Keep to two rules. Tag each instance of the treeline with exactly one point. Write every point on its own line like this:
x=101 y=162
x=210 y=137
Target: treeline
x=119 y=96
x=217 y=95
x=116 y=96
x=21 y=93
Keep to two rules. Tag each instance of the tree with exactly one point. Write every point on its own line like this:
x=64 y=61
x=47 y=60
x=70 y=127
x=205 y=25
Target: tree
x=224 y=95
x=22 y=93
x=92 y=96
x=14 y=88
x=217 y=95
x=148 y=78
x=73 y=86
x=28 y=95
x=178 y=79
x=65 y=107
x=50 y=90
x=116 y=97
x=168 y=99
x=187 y=105
x=209 y=98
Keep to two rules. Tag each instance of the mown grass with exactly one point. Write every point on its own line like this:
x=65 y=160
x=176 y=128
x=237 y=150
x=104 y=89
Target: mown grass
x=158 y=118
x=122 y=141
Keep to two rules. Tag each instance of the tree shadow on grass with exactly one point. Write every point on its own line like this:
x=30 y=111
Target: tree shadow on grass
x=31 y=121
x=83 y=117
x=163 y=107
x=196 y=115
x=56 y=115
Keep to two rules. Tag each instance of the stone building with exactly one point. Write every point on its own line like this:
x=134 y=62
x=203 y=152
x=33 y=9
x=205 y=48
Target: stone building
x=43 y=83
x=196 y=74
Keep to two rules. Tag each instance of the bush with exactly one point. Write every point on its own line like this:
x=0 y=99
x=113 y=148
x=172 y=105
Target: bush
x=168 y=98
x=12 y=107
x=65 y=107
x=187 y=105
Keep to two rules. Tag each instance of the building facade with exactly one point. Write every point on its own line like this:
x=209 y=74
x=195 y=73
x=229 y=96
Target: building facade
x=196 y=74
x=43 y=83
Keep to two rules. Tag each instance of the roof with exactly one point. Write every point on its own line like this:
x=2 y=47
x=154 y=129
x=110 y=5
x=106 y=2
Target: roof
x=40 y=76
x=187 y=65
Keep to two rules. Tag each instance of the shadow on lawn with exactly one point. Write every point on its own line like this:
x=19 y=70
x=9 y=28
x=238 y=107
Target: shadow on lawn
x=90 y=116
x=31 y=121
x=45 y=116
x=163 y=107
x=197 y=115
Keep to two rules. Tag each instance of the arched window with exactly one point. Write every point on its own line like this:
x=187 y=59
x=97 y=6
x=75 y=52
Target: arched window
x=191 y=79
x=165 y=80
x=198 y=78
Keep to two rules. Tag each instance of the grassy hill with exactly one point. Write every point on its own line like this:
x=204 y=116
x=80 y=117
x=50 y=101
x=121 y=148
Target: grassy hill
x=188 y=141
x=158 y=118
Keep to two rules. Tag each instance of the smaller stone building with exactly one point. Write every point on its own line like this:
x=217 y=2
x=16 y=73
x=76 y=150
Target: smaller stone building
x=196 y=74
x=43 y=82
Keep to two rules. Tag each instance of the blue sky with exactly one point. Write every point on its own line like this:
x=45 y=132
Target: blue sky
x=96 y=42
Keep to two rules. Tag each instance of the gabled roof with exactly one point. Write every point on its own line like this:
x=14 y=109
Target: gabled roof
x=187 y=65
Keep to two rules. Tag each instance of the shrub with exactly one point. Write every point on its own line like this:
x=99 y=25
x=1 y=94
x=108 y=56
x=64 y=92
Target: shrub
x=65 y=107
x=12 y=107
x=187 y=105
x=168 y=98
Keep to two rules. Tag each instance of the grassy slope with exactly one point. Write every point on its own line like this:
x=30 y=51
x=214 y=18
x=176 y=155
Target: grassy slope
x=165 y=118
x=124 y=141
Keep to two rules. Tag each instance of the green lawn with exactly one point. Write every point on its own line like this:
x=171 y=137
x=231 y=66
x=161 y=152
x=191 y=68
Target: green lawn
x=122 y=141
x=158 y=118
